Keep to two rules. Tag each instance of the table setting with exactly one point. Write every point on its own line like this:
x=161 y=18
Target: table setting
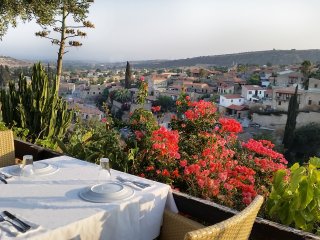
x=65 y=198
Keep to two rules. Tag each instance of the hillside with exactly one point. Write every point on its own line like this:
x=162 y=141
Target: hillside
x=275 y=57
x=12 y=62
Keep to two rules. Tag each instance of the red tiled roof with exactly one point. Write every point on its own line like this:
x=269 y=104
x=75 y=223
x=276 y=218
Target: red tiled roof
x=232 y=96
x=253 y=87
x=287 y=90
x=236 y=107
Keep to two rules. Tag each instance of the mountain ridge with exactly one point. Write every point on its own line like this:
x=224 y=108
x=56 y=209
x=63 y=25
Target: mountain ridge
x=275 y=57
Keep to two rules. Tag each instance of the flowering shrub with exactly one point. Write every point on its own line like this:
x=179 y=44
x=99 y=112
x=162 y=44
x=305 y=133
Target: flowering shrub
x=203 y=156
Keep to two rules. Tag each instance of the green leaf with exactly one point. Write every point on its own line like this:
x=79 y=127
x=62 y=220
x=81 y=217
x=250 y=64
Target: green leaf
x=315 y=162
x=86 y=137
x=296 y=177
x=278 y=182
x=306 y=191
x=295 y=202
x=307 y=215
x=294 y=167
x=299 y=220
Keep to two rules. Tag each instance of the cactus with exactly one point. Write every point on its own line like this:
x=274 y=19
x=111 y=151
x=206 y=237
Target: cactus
x=36 y=106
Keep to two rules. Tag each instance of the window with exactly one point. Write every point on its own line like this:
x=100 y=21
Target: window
x=259 y=92
x=239 y=100
x=319 y=103
x=94 y=93
x=231 y=100
x=99 y=92
x=309 y=102
x=316 y=85
x=88 y=92
x=279 y=103
x=250 y=92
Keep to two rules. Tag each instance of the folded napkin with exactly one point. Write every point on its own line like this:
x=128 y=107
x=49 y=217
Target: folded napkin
x=7 y=231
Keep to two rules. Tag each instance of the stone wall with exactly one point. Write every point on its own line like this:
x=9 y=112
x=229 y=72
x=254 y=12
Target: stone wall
x=278 y=121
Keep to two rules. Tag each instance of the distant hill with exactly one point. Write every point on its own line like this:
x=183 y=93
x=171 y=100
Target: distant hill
x=275 y=57
x=12 y=62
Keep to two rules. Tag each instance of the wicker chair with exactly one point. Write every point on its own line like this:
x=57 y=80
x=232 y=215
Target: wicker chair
x=7 y=154
x=238 y=227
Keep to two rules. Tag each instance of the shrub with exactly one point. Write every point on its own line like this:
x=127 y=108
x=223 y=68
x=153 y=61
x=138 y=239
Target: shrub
x=202 y=155
x=295 y=196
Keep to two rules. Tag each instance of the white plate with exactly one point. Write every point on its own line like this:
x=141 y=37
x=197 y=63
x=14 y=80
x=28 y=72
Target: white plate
x=39 y=168
x=106 y=192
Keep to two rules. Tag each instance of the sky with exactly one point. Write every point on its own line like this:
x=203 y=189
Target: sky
x=127 y=30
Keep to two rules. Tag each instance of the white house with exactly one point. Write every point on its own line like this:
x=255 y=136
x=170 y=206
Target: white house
x=231 y=99
x=253 y=92
x=156 y=81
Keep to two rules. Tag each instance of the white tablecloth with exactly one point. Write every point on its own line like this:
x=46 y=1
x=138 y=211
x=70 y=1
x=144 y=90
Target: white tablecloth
x=52 y=202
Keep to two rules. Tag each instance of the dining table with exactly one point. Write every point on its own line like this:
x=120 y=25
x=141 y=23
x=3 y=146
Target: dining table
x=51 y=204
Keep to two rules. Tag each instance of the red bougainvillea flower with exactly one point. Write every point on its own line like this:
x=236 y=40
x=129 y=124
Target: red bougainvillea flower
x=103 y=120
x=156 y=108
x=142 y=78
x=230 y=125
x=178 y=103
x=262 y=147
x=200 y=109
x=188 y=98
x=166 y=142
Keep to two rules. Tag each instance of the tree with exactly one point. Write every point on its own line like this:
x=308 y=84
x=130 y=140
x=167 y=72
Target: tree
x=11 y=11
x=166 y=103
x=254 y=79
x=128 y=76
x=5 y=75
x=305 y=69
x=291 y=120
x=56 y=17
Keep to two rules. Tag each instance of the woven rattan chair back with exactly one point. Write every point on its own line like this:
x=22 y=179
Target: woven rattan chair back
x=237 y=227
x=7 y=154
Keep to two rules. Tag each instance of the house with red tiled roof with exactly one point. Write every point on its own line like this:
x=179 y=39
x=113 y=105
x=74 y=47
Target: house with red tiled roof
x=233 y=104
x=231 y=99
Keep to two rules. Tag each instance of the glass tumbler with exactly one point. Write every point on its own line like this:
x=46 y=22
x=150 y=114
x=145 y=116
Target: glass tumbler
x=104 y=171
x=27 y=166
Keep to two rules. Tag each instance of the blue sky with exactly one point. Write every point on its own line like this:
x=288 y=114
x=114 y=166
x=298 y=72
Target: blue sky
x=172 y=29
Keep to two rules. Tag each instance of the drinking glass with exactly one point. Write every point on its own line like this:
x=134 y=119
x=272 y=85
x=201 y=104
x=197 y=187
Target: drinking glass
x=104 y=171
x=27 y=166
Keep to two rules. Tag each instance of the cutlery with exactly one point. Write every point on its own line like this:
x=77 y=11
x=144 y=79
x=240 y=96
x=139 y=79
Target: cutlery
x=20 y=229
x=138 y=184
x=4 y=175
x=14 y=218
x=3 y=180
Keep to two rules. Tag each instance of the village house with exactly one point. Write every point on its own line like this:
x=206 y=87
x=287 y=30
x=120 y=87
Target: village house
x=286 y=79
x=253 y=93
x=233 y=104
x=66 y=88
x=92 y=91
x=225 y=88
x=156 y=81
x=86 y=112
x=281 y=98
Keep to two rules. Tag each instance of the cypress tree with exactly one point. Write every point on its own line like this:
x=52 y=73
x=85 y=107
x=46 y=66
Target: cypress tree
x=127 y=80
x=291 y=120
